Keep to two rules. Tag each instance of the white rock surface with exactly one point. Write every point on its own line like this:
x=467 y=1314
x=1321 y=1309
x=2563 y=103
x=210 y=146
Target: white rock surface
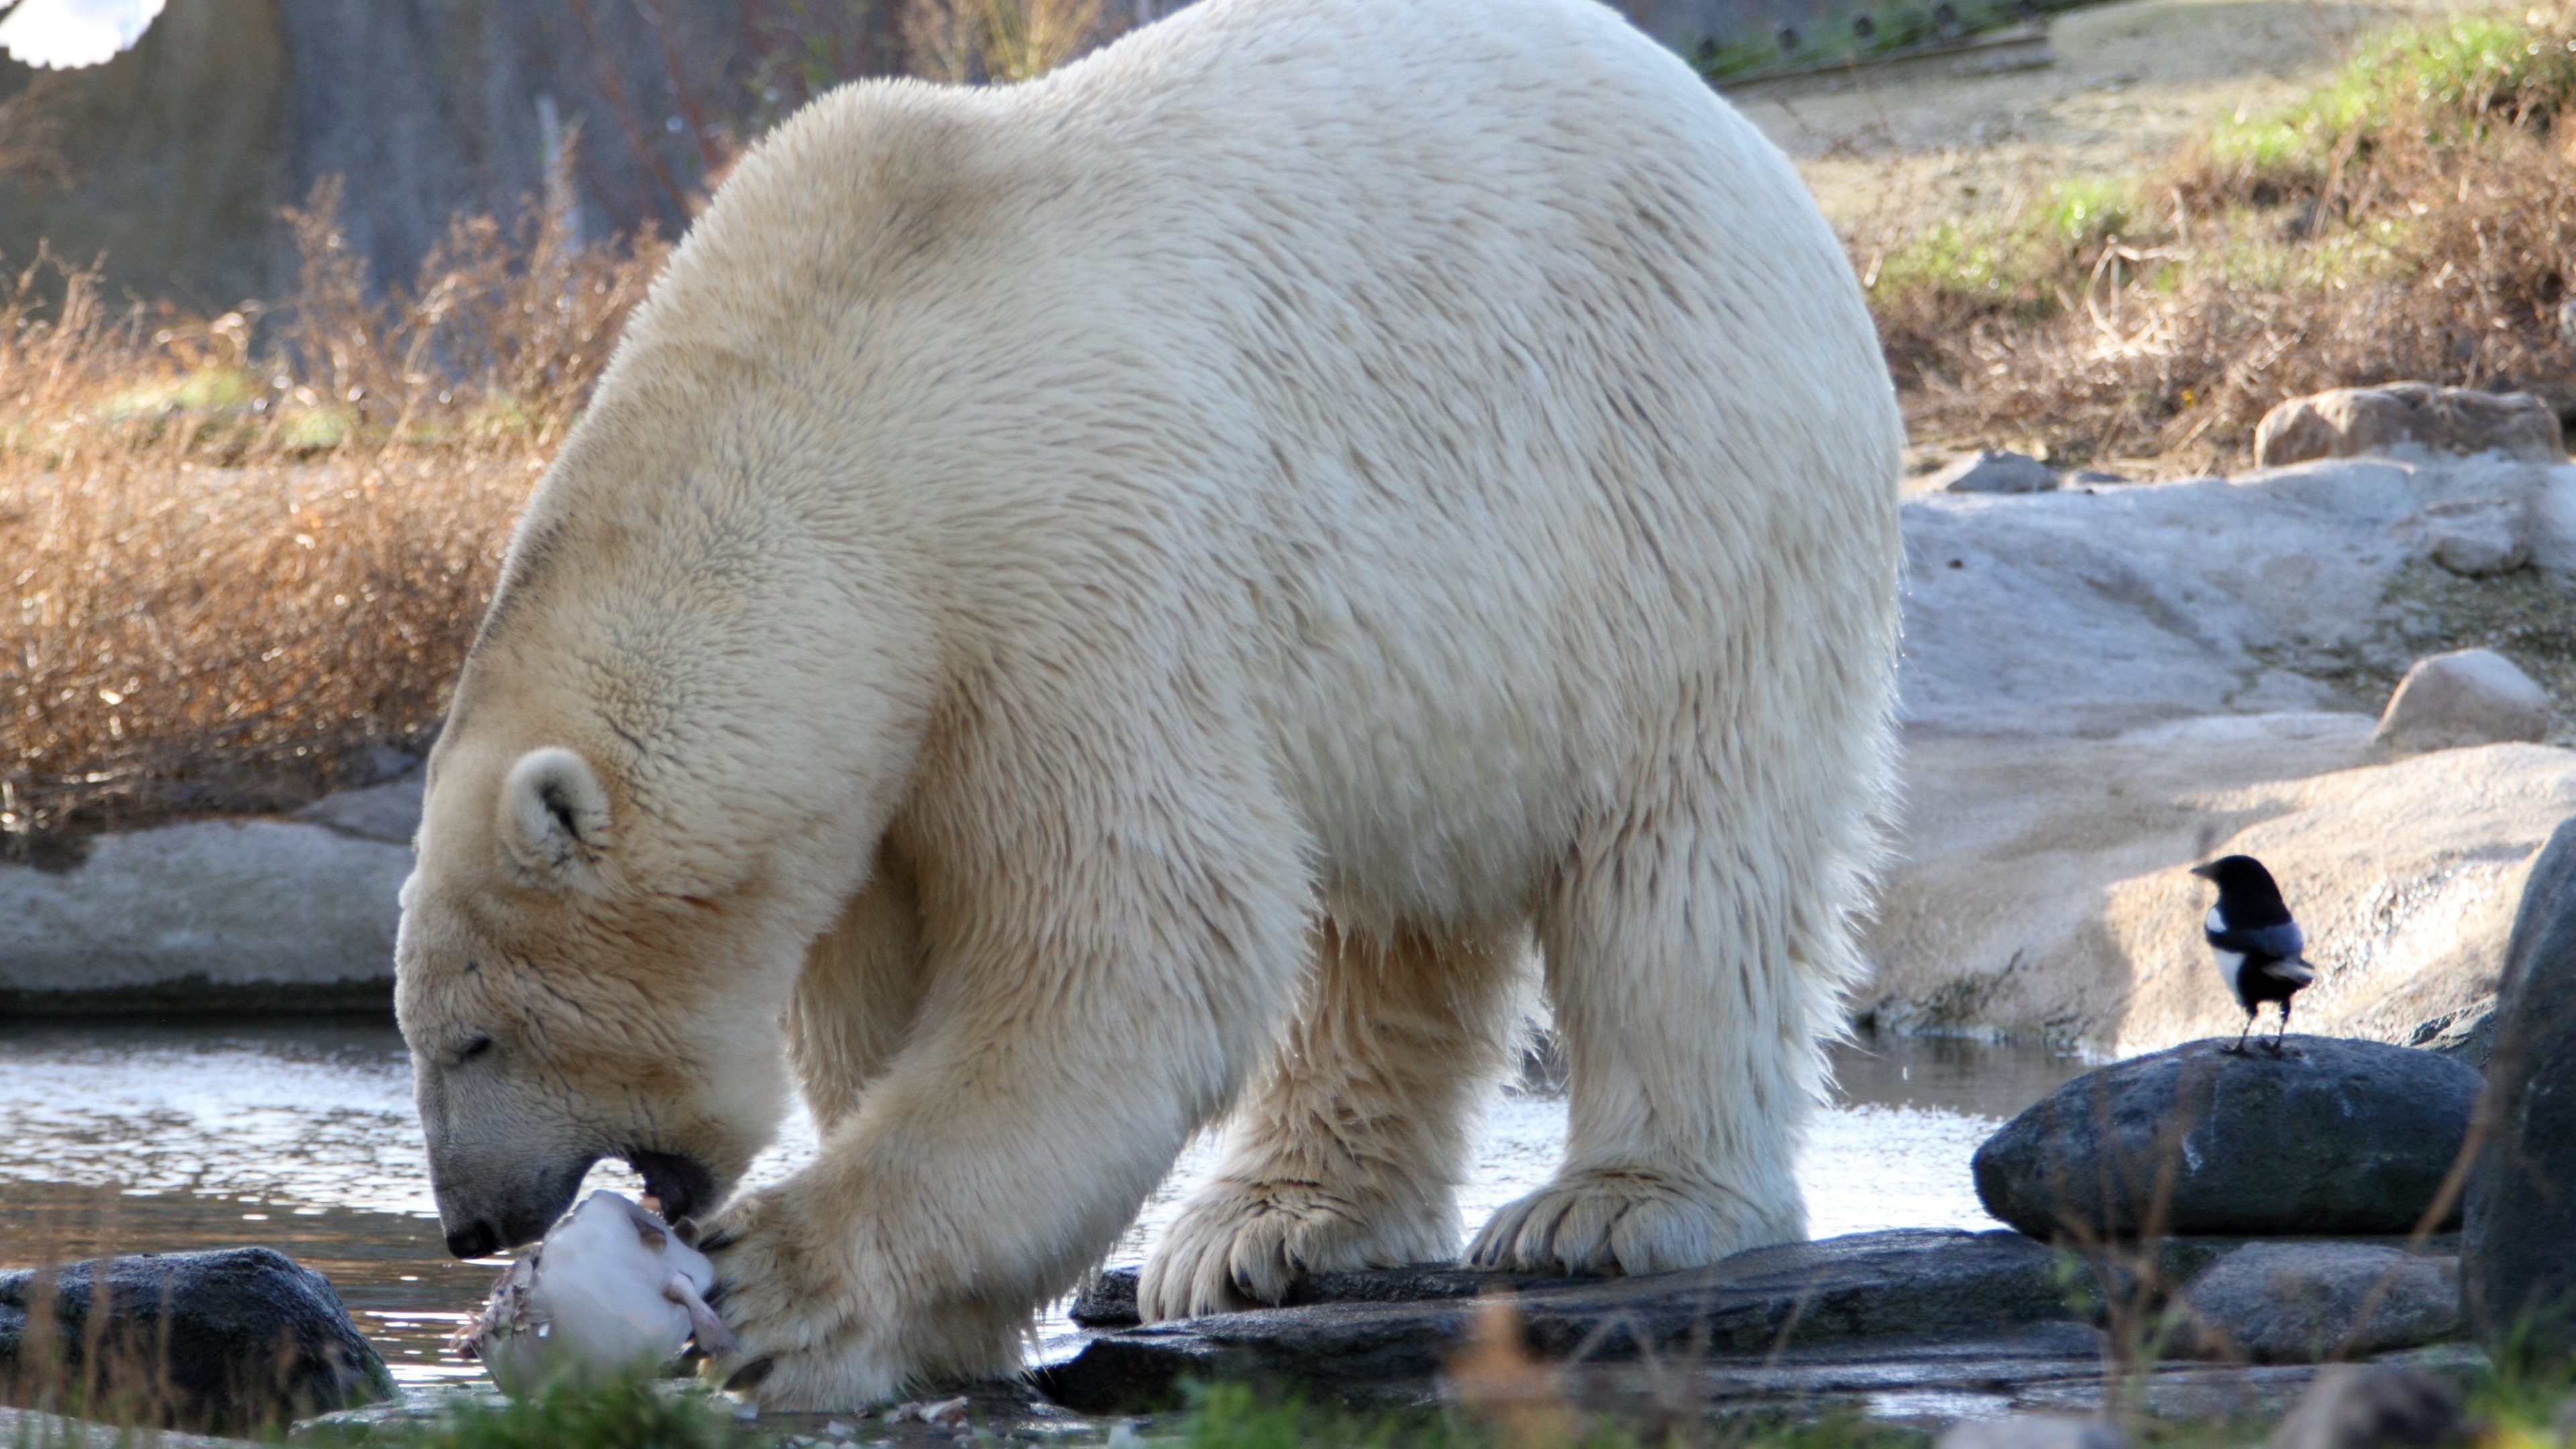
x=2466 y=697
x=2473 y=537
x=2083 y=613
x=2101 y=689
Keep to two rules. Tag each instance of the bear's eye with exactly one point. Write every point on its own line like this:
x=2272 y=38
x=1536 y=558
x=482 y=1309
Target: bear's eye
x=472 y=1047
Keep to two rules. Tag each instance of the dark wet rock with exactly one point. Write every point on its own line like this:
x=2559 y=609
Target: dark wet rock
x=2518 y=1275
x=1918 y=1284
x=2372 y=1406
x=1108 y=1298
x=2329 y=1136
x=2315 y=1301
x=239 y=1338
x=2033 y=1431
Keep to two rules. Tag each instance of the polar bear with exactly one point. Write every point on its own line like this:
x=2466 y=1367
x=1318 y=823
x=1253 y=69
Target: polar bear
x=1083 y=604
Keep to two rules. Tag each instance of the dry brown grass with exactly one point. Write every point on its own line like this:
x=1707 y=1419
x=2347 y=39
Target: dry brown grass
x=233 y=573
x=245 y=553
x=2418 y=221
x=998 y=40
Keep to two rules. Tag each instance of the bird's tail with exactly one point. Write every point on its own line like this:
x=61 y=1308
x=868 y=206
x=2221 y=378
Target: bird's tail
x=2296 y=970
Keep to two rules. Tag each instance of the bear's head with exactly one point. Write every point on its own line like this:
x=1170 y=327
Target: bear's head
x=558 y=1014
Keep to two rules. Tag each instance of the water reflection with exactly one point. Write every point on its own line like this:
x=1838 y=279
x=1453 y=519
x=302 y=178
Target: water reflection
x=301 y=1137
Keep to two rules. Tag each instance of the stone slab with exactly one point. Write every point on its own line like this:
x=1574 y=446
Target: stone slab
x=265 y=915
x=1916 y=1284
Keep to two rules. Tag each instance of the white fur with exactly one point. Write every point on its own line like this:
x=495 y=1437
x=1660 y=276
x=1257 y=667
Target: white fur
x=1322 y=488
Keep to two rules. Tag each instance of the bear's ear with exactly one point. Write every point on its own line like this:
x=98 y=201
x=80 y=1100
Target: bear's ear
x=554 y=817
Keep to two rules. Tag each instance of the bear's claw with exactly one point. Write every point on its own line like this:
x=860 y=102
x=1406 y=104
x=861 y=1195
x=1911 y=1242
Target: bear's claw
x=1241 y=1244
x=1627 y=1221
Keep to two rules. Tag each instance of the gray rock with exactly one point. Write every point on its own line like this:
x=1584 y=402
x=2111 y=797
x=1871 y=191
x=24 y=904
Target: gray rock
x=2466 y=697
x=1994 y=471
x=1920 y=1284
x=2518 y=1277
x=263 y=915
x=2466 y=1036
x=2331 y=1136
x=389 y=812
x=2473 y=537
x=243 y=1338
x=2371 y=1406
x=2311 y=1302
x=2032 y=1431
x=2350 y=421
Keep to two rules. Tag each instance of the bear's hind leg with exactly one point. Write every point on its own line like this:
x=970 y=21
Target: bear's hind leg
x=1695 y=949
x=1346 y=1151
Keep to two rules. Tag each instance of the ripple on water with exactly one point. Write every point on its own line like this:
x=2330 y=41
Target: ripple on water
x=127 y=1138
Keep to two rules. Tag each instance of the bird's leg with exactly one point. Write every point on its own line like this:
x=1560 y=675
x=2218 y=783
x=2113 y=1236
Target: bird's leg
x=2239 y=1048
x=2280 y=1039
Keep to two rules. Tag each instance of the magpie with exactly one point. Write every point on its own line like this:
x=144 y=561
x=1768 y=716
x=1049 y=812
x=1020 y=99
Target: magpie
x=2254 y=939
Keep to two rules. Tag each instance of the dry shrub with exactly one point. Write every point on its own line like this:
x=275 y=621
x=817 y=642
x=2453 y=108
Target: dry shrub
x=2415 y=220
x=31 y=131
x=998 y=40
x=235 y=575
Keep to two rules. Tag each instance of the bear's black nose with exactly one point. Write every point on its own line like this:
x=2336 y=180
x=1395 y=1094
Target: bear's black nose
x=474 y=1240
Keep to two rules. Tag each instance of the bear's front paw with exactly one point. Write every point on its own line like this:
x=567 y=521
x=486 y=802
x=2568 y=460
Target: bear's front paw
x=1240 y=1244
x=786 y=1288
x=1628 y=1221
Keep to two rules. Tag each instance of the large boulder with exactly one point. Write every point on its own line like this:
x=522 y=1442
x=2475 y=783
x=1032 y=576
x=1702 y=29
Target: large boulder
x=2465 y=697
x=2348 y=421
x=2328 y=1136
x=242 y=1338
x=269 y=915
x=262 y=915
x=2518 y=1244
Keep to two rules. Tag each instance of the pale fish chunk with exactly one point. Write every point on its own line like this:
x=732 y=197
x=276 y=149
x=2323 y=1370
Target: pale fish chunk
x=608 y=1291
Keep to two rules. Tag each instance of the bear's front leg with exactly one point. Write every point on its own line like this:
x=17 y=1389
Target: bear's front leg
x=1346 y=1152
x=1088 y=1001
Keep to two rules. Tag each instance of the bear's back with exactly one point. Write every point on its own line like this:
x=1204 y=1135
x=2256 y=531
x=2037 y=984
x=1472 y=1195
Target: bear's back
x=1461 y=374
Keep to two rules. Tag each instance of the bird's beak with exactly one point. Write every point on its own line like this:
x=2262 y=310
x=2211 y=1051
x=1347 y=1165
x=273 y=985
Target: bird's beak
x=2205 y=872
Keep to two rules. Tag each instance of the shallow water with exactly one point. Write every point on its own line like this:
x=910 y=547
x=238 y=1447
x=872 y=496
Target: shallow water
x=301 y=1137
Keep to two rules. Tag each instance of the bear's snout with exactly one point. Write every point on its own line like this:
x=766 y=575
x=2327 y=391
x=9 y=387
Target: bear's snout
x=483 y=1216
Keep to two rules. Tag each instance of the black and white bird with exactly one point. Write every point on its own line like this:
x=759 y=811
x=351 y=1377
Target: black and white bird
x=2256 y=942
